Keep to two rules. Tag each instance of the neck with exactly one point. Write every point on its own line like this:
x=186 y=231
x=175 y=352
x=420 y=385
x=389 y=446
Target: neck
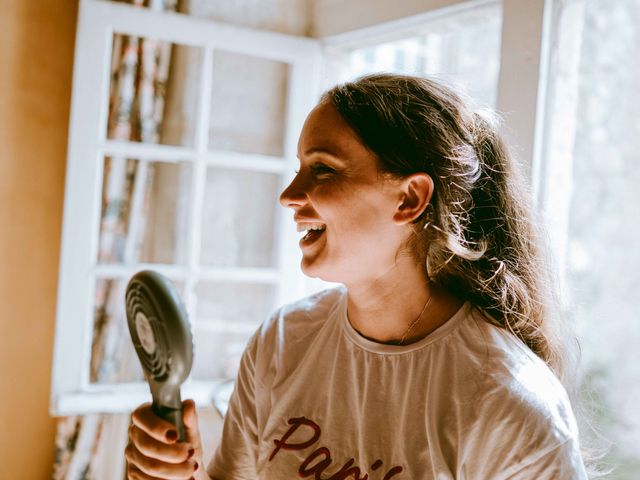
x=383 y=308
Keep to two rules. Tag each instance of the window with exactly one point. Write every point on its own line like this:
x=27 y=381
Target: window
x=588 y=194
x=193 y=197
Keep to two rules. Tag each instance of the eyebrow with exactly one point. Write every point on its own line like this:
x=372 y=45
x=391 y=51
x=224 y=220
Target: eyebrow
x=320 y=150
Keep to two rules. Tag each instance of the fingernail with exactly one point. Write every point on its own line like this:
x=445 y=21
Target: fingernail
x=191 y=452
x=195 y=466
x=171 y=435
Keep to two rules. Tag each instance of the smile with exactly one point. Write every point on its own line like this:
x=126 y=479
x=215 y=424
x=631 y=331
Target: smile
x=313 y=231
x=302 y=226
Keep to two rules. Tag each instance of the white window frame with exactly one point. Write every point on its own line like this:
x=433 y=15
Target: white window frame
x=71 y=391
x=521 y=89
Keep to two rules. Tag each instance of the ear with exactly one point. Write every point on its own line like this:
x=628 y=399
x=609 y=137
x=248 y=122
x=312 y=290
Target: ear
x=416 y=192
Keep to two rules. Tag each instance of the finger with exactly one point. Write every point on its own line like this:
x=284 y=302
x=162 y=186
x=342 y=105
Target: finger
x=190 y=420
x=157 y=468
x=150 y=447
x=146 y=420
x=134 y=473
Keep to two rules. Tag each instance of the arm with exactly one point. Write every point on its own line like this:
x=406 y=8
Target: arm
x=523 y=439
x=563 y=461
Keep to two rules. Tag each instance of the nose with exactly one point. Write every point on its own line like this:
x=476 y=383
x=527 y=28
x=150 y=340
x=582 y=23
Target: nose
x=294 y=195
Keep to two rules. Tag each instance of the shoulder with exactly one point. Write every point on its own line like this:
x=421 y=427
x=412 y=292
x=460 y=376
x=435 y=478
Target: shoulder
x=522 y=409
x=298 y=321
x=519 y=380
x=313 y=308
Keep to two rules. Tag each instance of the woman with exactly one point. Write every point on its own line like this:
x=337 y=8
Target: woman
x=437 y=358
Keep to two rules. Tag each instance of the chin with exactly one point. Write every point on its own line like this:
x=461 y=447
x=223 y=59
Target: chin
x=309 y=269
x=324 y=273
x=313 y=270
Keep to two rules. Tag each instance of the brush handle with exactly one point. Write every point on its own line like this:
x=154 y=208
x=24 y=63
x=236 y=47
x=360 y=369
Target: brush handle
x=173 y=415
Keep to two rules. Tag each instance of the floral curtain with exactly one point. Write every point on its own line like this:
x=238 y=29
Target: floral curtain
x=139 y=74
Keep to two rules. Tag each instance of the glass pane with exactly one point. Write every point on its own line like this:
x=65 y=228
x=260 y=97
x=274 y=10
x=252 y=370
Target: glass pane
x=463 y=49
x=227 y=315
x=248 y=104
x=590 y=188
x=153 y=91
x=113 y=358
x=238 y=227
x=603 y=263
x=241 y=304
x=217 y=353
x=144 y=211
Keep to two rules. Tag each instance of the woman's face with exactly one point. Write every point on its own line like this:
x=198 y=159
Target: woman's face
x=343 y=202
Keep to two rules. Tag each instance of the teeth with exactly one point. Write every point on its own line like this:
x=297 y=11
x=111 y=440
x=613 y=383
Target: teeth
x=301 y=227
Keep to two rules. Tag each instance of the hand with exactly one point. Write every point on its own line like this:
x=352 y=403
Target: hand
x=153 y=452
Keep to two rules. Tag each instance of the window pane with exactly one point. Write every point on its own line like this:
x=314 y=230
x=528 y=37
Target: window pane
x=218 y=353
x=462 y=49
x=591 y=177
x=248 y=104
x=238 y=227
x=603 y=263
x=144 y=211
x=234 y=304
x=153 y=91
x=227 y=315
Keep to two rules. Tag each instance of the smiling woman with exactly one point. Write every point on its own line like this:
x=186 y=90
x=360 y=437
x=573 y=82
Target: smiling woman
x=440 y=356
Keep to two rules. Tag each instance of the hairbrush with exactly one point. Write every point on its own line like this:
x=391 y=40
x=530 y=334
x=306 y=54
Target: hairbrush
x=161 y=335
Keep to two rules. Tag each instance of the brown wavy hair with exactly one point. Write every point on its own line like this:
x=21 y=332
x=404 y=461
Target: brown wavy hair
x=478 y=237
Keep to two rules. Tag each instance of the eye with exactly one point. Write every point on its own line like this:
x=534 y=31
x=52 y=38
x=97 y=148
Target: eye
x=321 y=169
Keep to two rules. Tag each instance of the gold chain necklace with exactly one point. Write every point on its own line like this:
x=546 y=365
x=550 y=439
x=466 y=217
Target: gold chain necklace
x=415 y=322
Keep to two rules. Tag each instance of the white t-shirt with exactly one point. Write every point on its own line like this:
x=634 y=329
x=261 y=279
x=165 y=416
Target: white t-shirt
x=314 y=398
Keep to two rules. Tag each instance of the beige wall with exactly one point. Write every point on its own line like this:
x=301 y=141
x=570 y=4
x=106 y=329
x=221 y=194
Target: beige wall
x=36 y=55
x=333 y=17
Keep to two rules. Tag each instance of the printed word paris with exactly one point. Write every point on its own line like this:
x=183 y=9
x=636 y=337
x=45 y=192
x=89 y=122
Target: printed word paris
x=320 y=459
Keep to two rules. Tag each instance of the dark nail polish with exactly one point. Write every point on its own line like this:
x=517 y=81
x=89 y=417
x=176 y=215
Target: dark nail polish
x=195 y=466
x=171 y=435
x=191 y=452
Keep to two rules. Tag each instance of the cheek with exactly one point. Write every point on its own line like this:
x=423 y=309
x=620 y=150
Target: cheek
x=361 y=217
x=351 y=203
